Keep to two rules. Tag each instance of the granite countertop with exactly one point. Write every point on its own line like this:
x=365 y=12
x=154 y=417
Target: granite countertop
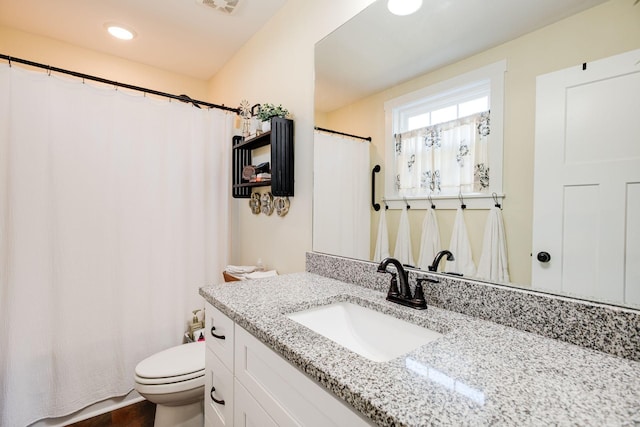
x=477 y=373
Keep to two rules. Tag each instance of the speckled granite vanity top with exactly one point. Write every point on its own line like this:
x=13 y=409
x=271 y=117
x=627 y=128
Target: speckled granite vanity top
x=477 y=373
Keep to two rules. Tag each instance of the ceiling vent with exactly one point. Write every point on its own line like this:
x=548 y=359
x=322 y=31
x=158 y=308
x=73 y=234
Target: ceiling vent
x=224 y=6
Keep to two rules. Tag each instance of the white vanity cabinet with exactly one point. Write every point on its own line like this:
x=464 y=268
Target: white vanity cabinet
x=218 y=387
x=266 y=389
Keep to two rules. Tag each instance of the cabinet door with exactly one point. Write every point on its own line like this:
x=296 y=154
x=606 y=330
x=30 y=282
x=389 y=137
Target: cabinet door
x=218 y=399
x=289 y=396
x=219 y=330
x=247 y=412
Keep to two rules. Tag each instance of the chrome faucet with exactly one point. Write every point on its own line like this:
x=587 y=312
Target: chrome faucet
x=403 y=295
x=439 y=255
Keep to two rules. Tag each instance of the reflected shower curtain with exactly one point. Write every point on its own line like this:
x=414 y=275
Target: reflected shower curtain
x=341 y=196
x=113 y=212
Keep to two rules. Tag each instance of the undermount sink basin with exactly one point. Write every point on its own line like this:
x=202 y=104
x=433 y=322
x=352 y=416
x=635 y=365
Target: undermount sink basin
x=374 y=335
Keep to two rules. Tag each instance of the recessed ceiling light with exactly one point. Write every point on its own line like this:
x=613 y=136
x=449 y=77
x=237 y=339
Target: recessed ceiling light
x=120 y=31
x=404 y=7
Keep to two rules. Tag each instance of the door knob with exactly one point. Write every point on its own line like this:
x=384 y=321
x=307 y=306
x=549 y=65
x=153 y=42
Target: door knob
x=543 y=257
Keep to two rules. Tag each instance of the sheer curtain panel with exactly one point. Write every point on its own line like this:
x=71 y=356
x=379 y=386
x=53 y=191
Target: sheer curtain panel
x=445 y=158
x=113 y=212
x=341 y=196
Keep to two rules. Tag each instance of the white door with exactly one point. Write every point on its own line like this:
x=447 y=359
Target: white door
x=587 y=181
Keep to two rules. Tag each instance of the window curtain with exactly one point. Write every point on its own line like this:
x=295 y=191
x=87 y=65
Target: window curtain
x=446 y=158
x=113 y=212
x=341 y=196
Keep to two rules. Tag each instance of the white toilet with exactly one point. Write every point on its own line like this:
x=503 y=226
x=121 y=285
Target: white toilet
x=173 y=379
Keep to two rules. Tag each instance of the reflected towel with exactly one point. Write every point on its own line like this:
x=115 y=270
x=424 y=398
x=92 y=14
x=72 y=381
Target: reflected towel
x=493 y=262
x=382 y=242
x=403 y=252
x=461 y=248
x=430 y=240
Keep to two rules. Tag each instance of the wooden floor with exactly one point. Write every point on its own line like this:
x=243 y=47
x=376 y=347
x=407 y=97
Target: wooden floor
x=141 y=414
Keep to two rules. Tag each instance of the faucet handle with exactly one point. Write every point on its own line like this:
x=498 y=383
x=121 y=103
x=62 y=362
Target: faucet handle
x=393 y=289
x=419 y=293
x=418 y=296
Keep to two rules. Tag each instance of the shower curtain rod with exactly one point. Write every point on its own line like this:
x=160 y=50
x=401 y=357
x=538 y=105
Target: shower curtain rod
x=183 y=98
x=366 y=138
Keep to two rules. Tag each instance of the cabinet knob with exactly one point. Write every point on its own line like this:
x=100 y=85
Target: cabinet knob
x=220 y=337
x=543 y=256
x=219 y=402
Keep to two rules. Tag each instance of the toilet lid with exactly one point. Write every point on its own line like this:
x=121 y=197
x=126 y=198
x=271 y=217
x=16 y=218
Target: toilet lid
x=175 y=361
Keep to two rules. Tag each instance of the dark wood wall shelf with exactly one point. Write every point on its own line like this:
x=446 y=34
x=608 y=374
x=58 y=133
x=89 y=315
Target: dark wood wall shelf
x=280 y=138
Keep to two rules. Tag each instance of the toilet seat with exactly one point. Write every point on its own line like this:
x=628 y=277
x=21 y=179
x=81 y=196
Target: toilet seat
x=168 y=380
x=173 y=387
x=173 y=365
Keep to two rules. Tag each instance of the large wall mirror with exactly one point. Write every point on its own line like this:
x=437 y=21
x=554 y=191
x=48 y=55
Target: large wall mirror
x=377 y=57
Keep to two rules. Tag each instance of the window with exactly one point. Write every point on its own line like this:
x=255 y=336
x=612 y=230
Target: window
x=446 y=139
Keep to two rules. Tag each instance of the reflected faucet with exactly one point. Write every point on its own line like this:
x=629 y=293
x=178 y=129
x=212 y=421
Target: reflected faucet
x=403 y=295
x=439 y=255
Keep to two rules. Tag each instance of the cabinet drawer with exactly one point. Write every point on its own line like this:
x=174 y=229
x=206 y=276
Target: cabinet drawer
x=219 y=329
x=248 y=412
x=287 y=395
x=219 y=386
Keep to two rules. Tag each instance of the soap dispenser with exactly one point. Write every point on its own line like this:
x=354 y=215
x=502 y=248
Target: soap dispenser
x=195 y=324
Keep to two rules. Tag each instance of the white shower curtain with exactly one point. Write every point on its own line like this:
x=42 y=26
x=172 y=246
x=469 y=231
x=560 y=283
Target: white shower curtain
x=341 y=196
x=113 y=212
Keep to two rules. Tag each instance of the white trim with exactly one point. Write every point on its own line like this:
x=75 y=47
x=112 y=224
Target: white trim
x=495 y=74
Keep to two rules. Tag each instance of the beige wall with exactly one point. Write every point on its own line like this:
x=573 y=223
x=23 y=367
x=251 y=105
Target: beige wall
x=276 y=66
x=63 y=55
x=606 y=30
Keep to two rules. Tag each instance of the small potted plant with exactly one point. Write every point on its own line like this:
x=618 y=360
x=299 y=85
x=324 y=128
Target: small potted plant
x=268 y=111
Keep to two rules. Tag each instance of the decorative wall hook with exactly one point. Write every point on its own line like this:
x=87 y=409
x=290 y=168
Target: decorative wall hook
x=495 y=199
x=462 y=205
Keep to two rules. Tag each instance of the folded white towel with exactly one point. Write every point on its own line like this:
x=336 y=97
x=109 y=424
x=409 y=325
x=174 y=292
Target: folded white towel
x=430 y=240
x=261 y=274
x=493 y=261
x=403 y=252
x=240 y=269
x=382 y=241
x=461 y=248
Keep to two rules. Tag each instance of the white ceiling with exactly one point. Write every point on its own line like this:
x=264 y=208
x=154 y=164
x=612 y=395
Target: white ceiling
x=376 y=50
x=183 y=36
